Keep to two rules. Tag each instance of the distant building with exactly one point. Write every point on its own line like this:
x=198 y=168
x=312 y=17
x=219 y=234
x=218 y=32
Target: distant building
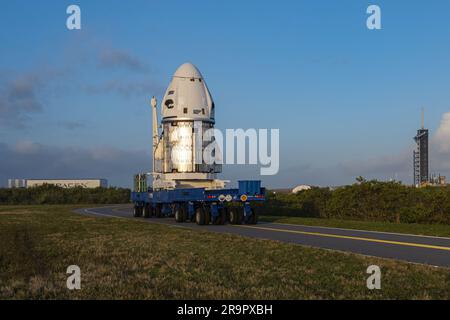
x=301 y=188
x=64 y=183
x=16 y=183
x=438 y=180
x=420 y=156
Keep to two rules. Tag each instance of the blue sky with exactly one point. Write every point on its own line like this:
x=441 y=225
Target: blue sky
x=347 y=100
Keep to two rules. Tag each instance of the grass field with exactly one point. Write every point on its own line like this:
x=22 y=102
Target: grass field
x=438 y=230
x=126 y=259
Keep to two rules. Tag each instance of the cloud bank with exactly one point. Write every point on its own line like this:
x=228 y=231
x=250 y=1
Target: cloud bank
x=440 y=147
x=115 y=58
x=23 y=95
x=442 y=136
x=19 y=99
x=27 y=159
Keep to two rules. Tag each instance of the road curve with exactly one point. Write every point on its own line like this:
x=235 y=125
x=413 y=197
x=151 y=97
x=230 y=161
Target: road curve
x=433 y=251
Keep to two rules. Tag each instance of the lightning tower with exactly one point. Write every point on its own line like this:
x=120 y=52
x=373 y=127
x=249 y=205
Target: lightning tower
x=420 y=156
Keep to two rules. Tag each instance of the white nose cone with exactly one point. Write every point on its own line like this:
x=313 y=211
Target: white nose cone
x=188 y=70
x=187 y=97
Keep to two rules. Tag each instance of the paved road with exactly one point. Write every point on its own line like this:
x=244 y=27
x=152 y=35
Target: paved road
x=418 y=249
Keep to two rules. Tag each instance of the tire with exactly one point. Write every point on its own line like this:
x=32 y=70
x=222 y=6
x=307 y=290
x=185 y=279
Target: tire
x=200 y=216
x=221 y=218
x=147 y=210
x=158 y=212
x=137 y=211
x=172 y=210
x=224 y=215
x=179 y=215
x=207 y=215
x=236 y=215
x=152 y=211
x=185 y=210
x=216 y=221
x=254 y=217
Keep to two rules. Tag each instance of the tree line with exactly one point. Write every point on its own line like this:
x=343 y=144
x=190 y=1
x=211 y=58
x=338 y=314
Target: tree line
x=365 y=200
x=50 y=194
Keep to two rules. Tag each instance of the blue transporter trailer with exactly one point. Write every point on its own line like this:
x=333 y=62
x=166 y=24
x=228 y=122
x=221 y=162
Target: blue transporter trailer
x=204 y=206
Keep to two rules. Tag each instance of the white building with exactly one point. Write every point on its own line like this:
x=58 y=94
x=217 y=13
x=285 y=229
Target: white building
x=64 y=183
x=299 y=188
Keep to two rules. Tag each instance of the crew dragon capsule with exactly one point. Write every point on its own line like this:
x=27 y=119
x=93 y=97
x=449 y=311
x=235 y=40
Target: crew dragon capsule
x=187 y=111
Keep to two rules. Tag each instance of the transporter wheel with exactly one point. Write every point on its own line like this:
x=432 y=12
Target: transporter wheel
x=152 y=210
x=158 y=211
x=224 y=214
x=253 y=218
x=185 y=209
x=172 y=210
x=180 y=214
x=200 y=216
x=221 y=218
x=207 y=211
x=147 y=211
x=216 y=220
x=137 y=211
x=236 y=215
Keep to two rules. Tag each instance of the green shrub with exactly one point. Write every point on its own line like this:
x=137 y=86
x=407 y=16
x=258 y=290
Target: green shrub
x=366 y=200
x=49 y=194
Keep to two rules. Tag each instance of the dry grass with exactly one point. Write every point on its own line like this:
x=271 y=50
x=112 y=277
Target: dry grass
x=126 y=259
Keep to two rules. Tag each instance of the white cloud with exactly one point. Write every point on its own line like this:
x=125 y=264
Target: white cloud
x=116 y=58
x=25 y=94
x=124 y=88
x=442 y=137
x=26 y=147
x=18 y=99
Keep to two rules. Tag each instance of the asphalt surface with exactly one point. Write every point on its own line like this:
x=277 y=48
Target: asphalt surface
x=417 y=249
